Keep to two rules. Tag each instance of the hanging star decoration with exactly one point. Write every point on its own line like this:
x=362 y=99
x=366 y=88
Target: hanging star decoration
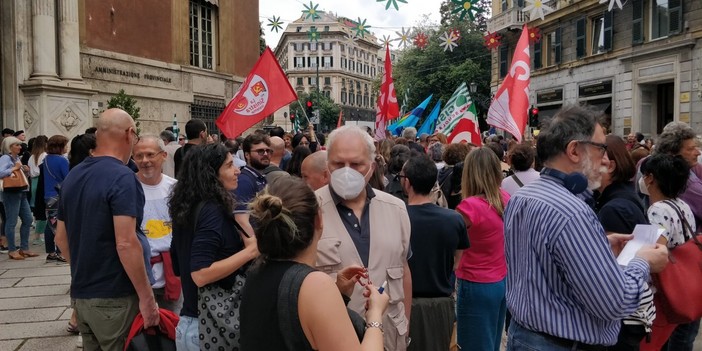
x=275 y=24
x=492 y=40
x=456 y=33
x=611 y=4
x=393 y=3
x=311 y=11
x=421 y=40
x=313 y=34
x=361 y=28
x=534 y=35
x=448 y=41
x=386 y=41
x=537 y=8
x=403 y=37
x=351 y=39
x=466 y=7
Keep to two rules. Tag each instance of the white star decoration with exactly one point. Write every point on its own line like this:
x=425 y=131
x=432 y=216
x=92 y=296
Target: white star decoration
x=351 y=39
x=448 y=41
x=537 y=8
x=403 y=37
x=611 y=4
x=386 y=41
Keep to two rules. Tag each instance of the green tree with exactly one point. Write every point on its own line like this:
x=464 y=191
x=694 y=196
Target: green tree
x=451 y=19
x=328 y=110
x=261 y=38
x=126 y=103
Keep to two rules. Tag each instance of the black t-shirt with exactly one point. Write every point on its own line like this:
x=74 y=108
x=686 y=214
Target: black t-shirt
x=179 y=155
x=216 y=238
x=92 y=193
x=436 y=235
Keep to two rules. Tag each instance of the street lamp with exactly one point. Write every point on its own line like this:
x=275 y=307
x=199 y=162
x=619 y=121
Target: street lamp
x=473 y=87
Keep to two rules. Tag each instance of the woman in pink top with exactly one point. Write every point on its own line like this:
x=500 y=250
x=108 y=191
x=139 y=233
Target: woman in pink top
x=482 y=269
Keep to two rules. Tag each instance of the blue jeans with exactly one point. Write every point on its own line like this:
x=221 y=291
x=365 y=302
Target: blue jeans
x=480 y=315
x=50 y=231
x=16 y=205
x=522 y=339
x=683 y=338
x=187 y=334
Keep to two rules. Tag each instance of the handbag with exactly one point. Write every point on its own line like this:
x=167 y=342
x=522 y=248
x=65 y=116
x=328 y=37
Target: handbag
x=219 y=314
x=15 y=182
x=680 y=283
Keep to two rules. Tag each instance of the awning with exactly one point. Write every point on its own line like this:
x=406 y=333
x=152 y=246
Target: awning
x=213 y=2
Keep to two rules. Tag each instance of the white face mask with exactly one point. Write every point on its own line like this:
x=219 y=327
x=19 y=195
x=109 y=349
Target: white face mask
x=643 y=188
x=347 y=182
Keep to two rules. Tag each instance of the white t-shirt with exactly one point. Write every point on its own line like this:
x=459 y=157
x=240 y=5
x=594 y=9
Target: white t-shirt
x=510 y=185
x=156 y=223
x=34 y=166
x=666 y=216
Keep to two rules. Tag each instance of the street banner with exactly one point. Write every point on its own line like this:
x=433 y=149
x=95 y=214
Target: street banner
x=386 y=108
x=509 y=109
x=466 y=131
x=460 y=105
x=265 y=90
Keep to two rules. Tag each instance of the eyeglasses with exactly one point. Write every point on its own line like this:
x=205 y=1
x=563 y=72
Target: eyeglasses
x=601 y=146
x=131 y=130
x=147 y=156
x=400 y=176
x=262 y=152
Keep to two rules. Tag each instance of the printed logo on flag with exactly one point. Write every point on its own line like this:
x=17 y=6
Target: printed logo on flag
x=254 y=99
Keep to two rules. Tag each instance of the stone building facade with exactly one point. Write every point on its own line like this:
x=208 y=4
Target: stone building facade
x=62 y=60
x=345 y=64
x=641 y=65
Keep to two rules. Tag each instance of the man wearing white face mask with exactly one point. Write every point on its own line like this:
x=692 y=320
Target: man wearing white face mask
x=366 y=227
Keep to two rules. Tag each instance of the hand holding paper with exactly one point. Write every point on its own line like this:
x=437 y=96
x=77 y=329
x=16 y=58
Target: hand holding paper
x=643 y=235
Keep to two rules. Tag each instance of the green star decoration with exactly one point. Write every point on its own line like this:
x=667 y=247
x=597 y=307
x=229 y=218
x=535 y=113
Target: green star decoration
x=361 y=28
x=466 y=7
x=393 y=3
x=311 y=11
x=313 y=34
x=275 y=24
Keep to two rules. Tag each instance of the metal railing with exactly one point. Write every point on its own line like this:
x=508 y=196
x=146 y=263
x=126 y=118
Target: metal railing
x=513 y=18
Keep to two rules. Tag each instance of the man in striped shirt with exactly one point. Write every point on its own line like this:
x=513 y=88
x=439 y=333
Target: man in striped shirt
x=565 y=289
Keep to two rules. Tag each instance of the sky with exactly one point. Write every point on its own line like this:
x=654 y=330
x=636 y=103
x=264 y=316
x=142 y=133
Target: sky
x=382 y=22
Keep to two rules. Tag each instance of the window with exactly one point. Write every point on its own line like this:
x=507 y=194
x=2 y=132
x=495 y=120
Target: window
x=327 y=80
x=298 y=29
x=207 y=111
x=504 y=56
x=666 y=19
x=358 y=85
x=313 y=46
x=343 y=96
x=300 y=81
x=659 y=19
x=553 y=47
x=327 y=61
x=202 y=16
x=299 y=62
x=351 y=99
x=326 y=28
x=504 y=5
x=598 y=39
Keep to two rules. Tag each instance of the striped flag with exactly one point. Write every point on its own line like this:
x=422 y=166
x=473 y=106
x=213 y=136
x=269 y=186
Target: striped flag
x=459 y=106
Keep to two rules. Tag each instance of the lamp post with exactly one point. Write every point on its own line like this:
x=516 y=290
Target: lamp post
x=473 y=87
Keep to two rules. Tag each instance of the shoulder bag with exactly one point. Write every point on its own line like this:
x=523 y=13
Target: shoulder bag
x=15 y=182
x=680 y=283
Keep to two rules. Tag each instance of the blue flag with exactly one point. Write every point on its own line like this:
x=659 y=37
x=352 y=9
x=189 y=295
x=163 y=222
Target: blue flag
x=428 y=125
x=413 y=118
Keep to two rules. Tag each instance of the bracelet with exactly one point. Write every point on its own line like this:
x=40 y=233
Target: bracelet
x=375 y=325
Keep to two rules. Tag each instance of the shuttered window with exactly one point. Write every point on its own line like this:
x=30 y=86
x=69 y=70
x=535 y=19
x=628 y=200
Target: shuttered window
x=537 y=54
x=675 y=13
x=580 y=38
x=557 y=48
x=608 y=30
x=504 y=52
x=637 y=25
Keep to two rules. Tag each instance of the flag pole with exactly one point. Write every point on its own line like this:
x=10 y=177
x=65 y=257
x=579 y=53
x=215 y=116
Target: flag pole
x=303 y=111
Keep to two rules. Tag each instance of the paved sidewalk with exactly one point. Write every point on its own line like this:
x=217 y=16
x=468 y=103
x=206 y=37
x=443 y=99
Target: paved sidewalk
x=34 y=304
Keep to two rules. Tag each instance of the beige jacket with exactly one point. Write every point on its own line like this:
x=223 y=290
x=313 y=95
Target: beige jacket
x=389 y=246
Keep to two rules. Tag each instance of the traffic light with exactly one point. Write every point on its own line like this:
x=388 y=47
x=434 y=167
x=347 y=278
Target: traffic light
x=310 y=108
x=534 y=116
x=292 y=117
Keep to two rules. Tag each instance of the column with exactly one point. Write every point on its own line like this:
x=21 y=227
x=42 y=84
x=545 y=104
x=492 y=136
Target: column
x=43 y=39
x=69 y=47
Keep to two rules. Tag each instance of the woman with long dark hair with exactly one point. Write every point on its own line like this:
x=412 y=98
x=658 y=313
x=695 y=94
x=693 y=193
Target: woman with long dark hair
x=38 y=153
x=481 y=304
x=207 y=250
x=294 y=166
x=290 y=226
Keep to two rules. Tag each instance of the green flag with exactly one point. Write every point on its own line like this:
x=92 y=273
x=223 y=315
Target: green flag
x=459 y=106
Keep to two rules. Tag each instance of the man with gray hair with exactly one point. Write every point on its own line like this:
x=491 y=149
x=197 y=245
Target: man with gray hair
x=410 y=133
x=565 y=289
x=365 y=227
x=170 y=141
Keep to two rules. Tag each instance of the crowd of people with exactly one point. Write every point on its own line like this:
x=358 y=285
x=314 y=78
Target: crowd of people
x=309 y=241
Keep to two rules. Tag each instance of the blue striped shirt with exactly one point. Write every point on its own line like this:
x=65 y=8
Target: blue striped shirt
x=563 y=279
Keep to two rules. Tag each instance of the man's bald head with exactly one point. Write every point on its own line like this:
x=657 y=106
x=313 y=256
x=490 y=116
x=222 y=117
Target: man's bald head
x=278 y=147
x=116 y=134
x=314 y=170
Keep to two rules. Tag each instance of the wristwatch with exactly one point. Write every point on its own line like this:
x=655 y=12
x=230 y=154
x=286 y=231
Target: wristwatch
x=375 y=325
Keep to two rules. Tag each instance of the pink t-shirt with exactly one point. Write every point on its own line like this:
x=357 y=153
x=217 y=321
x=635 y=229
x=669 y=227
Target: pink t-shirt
x=484 y=261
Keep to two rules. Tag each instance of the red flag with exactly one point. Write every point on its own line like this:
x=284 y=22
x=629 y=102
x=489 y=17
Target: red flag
x=265 y=90
x=387 y=107
x=509 y=109
x=338 y=123
x=465 y=131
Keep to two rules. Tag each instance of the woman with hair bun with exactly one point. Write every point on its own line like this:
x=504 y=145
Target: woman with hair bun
x=311 y=314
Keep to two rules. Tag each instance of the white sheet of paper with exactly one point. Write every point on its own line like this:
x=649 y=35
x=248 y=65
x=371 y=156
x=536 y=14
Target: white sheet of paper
x=644 y=235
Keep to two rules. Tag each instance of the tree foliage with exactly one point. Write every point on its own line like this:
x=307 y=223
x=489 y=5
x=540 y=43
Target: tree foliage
x=435 y=71
x=126 y=103
x=261 y=38
x=328 y=109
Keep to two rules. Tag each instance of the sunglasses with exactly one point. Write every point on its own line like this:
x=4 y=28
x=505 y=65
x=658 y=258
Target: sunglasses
x=262 y=152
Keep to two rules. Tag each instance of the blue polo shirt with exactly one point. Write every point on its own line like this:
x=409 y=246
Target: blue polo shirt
x=251 y=182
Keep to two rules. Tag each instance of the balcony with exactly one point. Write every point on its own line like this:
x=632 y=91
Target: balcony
x=513 y=18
